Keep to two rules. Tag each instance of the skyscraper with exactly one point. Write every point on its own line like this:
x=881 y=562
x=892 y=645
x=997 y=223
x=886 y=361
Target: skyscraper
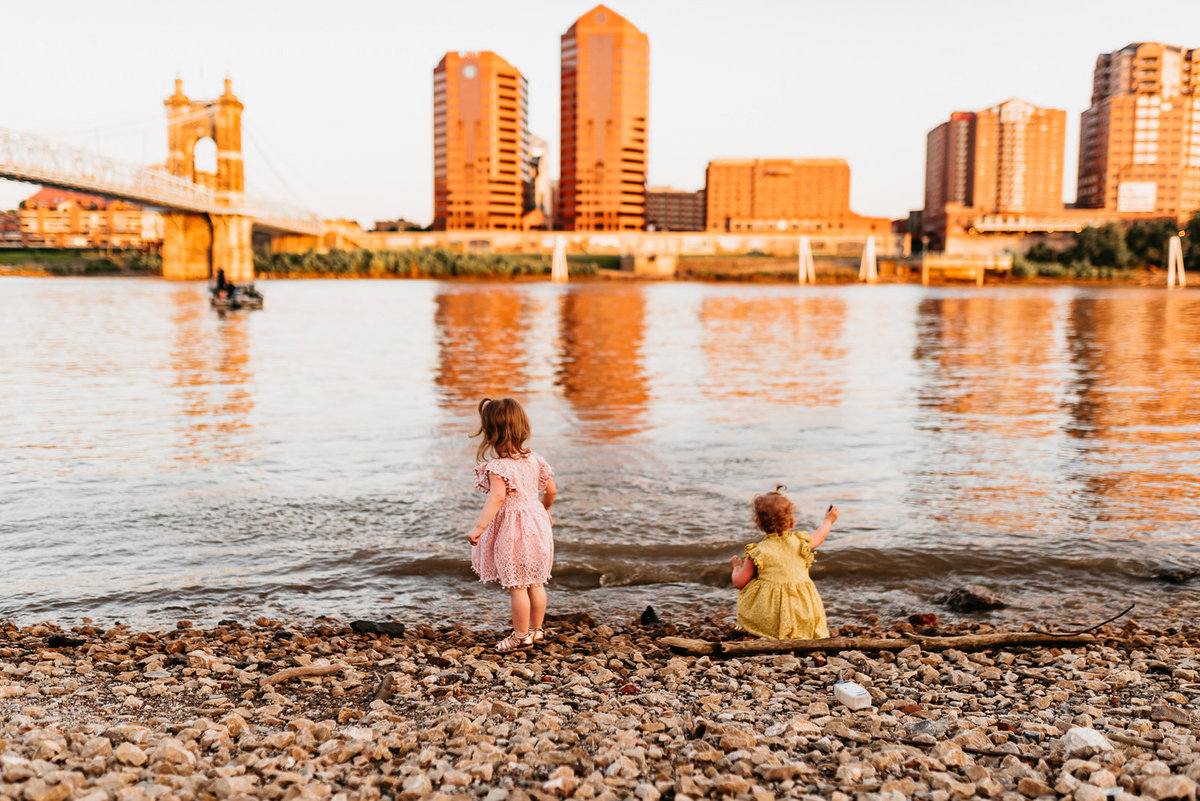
x=480 y=143
x=1003 y=160
x=604 y=106
x=1139 y=142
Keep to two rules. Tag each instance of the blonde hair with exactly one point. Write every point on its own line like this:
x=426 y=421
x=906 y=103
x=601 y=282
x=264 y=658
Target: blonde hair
x=504 y=427
x=773 y=512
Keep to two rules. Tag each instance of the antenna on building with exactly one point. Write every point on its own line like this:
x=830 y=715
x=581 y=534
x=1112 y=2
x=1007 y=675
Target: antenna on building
x=558 y=263
x=808 y=274
x=866 y=269
x=1175 y=274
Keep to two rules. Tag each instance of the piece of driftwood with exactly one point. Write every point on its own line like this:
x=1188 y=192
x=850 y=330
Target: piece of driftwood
x=1121 y=738
x=385 y=688
x=965 y=642
x=302 y=672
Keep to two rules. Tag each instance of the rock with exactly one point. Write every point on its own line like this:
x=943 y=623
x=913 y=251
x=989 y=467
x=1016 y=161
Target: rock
x=729 y=785
x=737 y=739
x=971 y=598
x=1179 y=717
x=927 y=620
x=389 y=627
x=230 y=786
x=415 y=787
x=59 y=641
x=1034 y=788
x=1088 y=792
x=1083 y=743
x=650 y=617
x=1162 y=788
x=130 y=754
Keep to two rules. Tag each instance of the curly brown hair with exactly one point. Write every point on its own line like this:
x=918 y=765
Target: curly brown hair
x=773 y=512
x=504 y=427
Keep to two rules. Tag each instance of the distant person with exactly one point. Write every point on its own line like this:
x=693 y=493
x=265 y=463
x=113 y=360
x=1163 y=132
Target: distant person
x=776 y=597
x=512 y=539
x=224 y=288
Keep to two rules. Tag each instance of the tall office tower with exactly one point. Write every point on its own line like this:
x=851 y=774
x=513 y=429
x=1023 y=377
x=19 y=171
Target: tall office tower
x=480 y=143
x=1003 y=160
x=1139 y=143
x=604 y=105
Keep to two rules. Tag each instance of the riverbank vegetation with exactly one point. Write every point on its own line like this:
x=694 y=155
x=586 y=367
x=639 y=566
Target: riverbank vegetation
x=83 y=262
x=420 y=263
x=1110 y=252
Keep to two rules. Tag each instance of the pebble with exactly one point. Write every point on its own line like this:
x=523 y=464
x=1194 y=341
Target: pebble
x=601 y=711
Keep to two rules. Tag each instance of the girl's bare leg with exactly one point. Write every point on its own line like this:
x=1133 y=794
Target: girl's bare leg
x=520 y=610
x=537 y=605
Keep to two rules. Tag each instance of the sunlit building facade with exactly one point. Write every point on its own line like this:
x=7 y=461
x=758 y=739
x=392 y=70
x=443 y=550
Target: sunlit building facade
x=604 y=106
x=480 y=143
x=61 y=218
x=1005 y=161
x=1139 y=142
x=674 y=209
x=785 y=195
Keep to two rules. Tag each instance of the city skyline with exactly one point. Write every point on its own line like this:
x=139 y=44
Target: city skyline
x=339 y=105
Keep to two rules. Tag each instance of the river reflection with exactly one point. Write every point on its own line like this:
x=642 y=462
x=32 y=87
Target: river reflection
x=776 y=350
x=600 y=370
x=161 y=461
x=212 y=380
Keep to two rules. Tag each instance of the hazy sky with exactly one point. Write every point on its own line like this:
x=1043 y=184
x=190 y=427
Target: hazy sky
x=339 y=95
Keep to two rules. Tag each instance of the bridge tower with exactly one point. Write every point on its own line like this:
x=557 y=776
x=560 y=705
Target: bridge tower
x=195 y=246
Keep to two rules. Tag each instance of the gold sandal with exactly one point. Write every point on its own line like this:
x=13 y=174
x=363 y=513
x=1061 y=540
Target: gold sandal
x=514 y=643
x=539 y=636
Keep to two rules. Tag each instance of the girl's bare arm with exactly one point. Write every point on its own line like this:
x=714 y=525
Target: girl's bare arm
x=743 y=571
x=496 y=492
x=831 y=515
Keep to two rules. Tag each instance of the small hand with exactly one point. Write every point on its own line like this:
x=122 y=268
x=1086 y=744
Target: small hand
x=735 y=563
x=474 y=535
x=831 y=514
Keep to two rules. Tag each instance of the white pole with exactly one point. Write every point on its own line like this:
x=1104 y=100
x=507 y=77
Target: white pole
x=558 y=263
x=866 y=269
x=1175 y=273
x=808 y=273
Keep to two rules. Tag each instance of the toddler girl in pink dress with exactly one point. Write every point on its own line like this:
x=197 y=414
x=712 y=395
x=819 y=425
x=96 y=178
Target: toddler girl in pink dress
x=512 y=540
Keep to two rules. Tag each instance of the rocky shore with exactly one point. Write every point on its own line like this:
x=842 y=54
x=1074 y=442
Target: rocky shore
x=277 y=710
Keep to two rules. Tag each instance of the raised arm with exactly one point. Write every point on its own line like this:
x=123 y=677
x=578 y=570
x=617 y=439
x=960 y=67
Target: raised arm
x=743 y=571
x=496 y=492
x=831 y=515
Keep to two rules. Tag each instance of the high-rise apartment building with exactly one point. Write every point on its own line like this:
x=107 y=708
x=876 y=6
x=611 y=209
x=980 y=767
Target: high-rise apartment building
x=1004 y=160
x=604 y=108
x=1139 y=142
x=480 y=143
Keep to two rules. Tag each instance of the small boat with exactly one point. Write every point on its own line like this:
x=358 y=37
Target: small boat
x=236 y=297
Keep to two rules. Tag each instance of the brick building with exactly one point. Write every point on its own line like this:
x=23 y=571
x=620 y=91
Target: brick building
x=674 y=210
x=801 y=195
x=1003 y=161
x=1139 y=142
x=480 y=143
x=61 y=218
x=604 y=105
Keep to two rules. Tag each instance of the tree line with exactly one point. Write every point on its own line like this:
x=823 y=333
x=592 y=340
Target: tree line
x=1111 y=251
x=419 y=263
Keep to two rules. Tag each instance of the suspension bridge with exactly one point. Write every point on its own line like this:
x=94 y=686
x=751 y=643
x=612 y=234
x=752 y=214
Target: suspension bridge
x=209 y=220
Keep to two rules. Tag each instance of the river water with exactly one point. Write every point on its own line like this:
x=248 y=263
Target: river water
x=159 y=461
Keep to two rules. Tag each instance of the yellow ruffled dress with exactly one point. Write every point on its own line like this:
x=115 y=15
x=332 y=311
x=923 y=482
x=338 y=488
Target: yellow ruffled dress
x=781 y=602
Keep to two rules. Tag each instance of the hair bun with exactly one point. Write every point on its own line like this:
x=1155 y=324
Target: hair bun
x=780 y=487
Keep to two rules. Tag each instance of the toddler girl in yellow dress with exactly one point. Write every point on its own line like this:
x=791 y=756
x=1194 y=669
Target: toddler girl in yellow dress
x=776 y=597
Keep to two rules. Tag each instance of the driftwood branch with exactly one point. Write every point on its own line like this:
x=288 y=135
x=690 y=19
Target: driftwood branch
x=302 y=672
x=966 y=642
x=385 y=687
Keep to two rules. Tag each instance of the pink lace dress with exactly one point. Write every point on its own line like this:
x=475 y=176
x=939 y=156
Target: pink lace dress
x=517 y=547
